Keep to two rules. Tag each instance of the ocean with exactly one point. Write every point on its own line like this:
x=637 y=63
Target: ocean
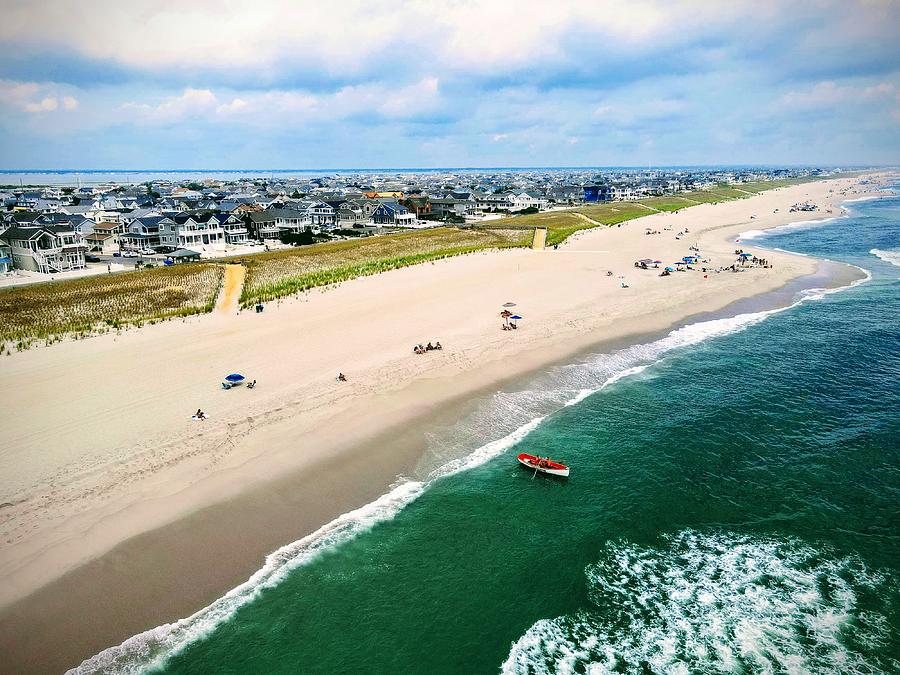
x=733 y=506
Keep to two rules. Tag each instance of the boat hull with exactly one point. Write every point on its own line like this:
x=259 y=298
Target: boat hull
x=550 y=467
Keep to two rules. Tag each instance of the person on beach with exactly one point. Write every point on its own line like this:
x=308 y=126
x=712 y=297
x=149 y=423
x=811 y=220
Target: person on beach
x=341 y=377
x=200 y=414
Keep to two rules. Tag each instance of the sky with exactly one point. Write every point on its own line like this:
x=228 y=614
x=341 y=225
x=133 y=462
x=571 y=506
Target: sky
x=107 y=84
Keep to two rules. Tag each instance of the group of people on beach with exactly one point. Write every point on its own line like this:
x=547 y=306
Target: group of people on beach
x=421 y=349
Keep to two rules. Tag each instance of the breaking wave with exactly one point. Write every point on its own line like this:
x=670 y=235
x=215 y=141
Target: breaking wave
x=890 y=256
x=712 y=603
x=789 y=227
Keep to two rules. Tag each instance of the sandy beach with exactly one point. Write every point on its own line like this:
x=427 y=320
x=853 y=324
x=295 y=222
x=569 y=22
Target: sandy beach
x=114 y=499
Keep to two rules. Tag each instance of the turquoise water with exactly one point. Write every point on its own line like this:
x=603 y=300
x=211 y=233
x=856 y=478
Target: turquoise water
x=734 y=505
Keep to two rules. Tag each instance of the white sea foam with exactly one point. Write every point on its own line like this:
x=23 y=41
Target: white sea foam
x=787 y=227
x=510 y=415
x=712 y=603
x=891 y=256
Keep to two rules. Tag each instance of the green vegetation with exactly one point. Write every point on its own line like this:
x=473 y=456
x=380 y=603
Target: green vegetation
x=280 y=273
x=667 y=203
x=80 y=307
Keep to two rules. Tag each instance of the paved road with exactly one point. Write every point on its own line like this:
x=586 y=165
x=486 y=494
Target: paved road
x=128 y=262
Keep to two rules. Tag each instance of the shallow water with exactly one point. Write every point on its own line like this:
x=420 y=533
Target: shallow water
x=734 y=505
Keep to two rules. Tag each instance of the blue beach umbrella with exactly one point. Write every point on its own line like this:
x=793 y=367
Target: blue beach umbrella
x=515 y=316
x=670 y=269
x=234 y=377
x=746 y=255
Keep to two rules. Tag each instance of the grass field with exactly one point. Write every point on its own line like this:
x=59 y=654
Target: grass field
x=667 y=203
x=280 y=273
x=80 y=307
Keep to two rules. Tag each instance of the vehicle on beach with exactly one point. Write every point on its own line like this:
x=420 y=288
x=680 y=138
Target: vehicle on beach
x=543 y=465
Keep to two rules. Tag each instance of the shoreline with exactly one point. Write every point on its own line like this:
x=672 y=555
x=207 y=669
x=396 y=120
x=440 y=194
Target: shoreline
x=168 y=556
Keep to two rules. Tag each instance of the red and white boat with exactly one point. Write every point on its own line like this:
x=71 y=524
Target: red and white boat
x=544 y=465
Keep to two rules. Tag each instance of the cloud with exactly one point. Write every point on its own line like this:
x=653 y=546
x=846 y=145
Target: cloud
x=279 y=107
x=503 y=82
x=830 y=93
x=35 y=97
x=46 y=104
x=190 y=103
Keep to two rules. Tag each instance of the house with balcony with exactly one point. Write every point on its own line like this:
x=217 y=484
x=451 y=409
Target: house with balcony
x=45 y=248
x=391 y=213
x=191 y=230
x=144 y=233
x=269 y=224
x=526 y=200
x=321 y=215
x=350 y=214
x=235 y=229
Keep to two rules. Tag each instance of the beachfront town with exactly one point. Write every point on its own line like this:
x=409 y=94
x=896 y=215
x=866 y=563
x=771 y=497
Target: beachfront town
x=72 y=230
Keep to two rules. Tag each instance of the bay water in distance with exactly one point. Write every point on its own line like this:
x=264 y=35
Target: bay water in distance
x=734 y=506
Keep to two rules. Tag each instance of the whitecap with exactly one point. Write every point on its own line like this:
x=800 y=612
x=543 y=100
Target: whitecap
x=891 y=256
x=711 y=603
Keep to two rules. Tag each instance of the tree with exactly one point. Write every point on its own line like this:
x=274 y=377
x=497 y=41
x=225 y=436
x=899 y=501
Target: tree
x=302 y=238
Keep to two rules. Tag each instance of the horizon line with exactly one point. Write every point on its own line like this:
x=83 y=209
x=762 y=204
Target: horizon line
x=439 y=168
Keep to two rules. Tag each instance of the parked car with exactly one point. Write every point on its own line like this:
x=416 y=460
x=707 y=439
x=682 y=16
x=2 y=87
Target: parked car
x=117 y=254
x=129 y=254
x=92 y=258
x=147 y=251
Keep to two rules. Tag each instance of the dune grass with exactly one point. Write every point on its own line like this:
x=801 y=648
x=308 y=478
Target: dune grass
x=80 y=307
x=280 y=273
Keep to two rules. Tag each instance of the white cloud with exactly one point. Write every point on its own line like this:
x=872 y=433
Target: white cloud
x=275 y=107
x=35 y=97
x=830 y=93
x=190 y=103
x=345 y=38
x=46 y=104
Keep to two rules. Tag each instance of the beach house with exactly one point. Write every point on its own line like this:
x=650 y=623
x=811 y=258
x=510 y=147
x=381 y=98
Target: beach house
x=144 y=233
x=394 y=214
x=45 y=248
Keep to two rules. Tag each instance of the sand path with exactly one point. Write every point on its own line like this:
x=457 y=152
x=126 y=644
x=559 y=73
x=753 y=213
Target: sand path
x=232 y=285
